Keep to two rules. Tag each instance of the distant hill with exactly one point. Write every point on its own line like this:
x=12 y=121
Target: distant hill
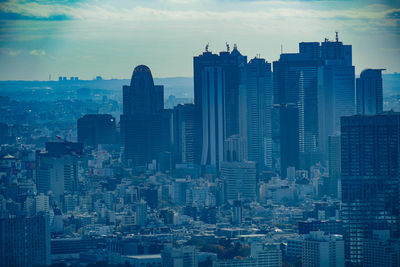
x=391 y=84
x=181 y=87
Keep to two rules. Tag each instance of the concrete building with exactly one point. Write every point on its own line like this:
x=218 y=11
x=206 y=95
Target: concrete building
x=323 y=250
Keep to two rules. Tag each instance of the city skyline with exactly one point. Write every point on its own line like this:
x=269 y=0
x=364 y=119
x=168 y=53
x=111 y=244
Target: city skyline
x=281 y=149
x=86 y=39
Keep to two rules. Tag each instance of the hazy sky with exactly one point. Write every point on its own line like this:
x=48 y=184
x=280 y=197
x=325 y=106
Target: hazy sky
x=109 y=37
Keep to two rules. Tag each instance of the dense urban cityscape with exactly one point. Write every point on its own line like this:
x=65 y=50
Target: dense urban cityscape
x=289 y=163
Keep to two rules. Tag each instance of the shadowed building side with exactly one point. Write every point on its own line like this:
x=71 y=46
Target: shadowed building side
x=145 y=123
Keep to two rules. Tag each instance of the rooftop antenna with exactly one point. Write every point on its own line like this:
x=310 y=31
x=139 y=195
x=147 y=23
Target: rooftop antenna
x=207 y=47
x=227 y=47
x=281 y=48
x=337 y=36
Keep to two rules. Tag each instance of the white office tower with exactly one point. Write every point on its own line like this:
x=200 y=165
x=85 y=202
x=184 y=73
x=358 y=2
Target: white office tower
x=185 y=256
x=323 y=250
x=42 y=203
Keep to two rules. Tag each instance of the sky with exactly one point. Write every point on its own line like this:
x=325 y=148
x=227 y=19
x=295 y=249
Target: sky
x=110 y=37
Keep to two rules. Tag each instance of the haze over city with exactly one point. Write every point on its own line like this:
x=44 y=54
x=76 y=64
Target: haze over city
x=108 y=38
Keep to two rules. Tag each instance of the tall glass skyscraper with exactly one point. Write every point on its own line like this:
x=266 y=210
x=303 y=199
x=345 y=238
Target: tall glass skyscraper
x=336 y=90
x=370 y=179
x=370 y=92
x=216 y=97
x=296 y=83
x=257 y=110
x=320 y=81
x=184 y=134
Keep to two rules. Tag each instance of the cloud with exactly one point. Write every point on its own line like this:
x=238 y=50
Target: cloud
x=170 y=10
x=37 y=52
x=10 y=52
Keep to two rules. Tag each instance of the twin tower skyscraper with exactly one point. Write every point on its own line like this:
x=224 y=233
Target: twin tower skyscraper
x=232 y=98
x=283 y=118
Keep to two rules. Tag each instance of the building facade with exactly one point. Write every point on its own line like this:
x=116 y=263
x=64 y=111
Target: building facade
x=370 y=179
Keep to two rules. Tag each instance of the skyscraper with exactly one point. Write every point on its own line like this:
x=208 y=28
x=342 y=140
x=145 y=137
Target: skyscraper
x=334 y=164
x=336 y=91
x=141 y=213
x=320 y=81
x=145 y=124
x=296 y=82
x=370 y=179
x=289 y=137
x=370 y=92
x=257 y=84
x=216 y=97
x=185 y=125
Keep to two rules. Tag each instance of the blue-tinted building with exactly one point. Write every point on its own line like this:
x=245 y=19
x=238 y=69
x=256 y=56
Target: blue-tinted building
x=24 y=241
x=216 y=97
x=256 y=112
x=146 y=126
x=370 y=179
x=370 y=92
x=336 y=89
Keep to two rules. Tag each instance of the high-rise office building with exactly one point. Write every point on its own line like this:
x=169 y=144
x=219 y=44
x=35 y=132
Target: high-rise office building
x=369 y=93
x=320 y=81
x=257 y=107
x=57 y=168
x=235 y=149
x=334 y=165
x=42 y=203
x=240 y=176
x=184 y=134
x=240 y=180
x=95 y=129
x=24 y=241
x=380 y=250
x=336 y=90
x=216 y=97
x=289 y=137
x=370 y=179
x=276 y=137
x=141 y=213
x=296 y=81
x=146 y=126
x=237 y=212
